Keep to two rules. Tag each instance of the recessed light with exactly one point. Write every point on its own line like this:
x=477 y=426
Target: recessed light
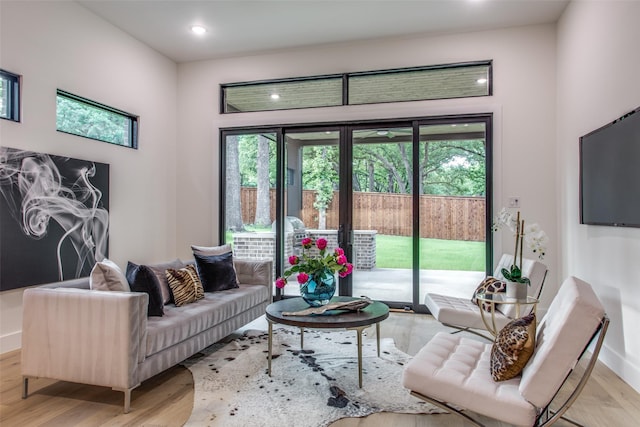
x=382 y=132
x=481 y=81
x=198 y=29
x=275 y=96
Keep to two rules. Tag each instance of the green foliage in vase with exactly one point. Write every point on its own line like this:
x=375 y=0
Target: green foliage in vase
x=514 y=274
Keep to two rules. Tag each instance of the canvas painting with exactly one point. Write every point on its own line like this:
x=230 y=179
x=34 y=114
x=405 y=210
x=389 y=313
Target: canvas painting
x=54 y=217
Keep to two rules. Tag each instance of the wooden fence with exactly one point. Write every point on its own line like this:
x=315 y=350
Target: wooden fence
x=449 y=218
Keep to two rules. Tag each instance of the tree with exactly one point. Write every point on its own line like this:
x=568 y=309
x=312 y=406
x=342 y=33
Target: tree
x=320 y=172
x=233 y=204
x=86 y=120
x=263 y=198
x=445 y=168
x=454 y=168
x=385 y=167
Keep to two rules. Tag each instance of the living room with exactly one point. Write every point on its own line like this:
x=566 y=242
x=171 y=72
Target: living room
x=553 y=82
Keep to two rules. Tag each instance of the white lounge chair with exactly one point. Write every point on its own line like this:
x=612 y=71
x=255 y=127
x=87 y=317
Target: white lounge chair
x=453 y=372
x=464 y=315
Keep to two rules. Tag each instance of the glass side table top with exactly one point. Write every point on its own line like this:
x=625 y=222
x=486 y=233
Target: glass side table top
x=496 y=298
x=502 y=298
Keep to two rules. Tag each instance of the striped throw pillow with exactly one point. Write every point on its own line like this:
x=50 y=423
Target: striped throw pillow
x=185 y=285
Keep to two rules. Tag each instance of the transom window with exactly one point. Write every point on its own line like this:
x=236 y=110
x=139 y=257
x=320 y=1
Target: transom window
x=90 y=119
x=369 y=87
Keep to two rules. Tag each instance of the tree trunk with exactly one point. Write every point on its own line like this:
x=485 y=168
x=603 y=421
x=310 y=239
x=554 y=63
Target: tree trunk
x=372 y=176
x=263 y=199
x=322 y=219
x=423 y=168
x=233 y=205
x=394 y=174
x=356 y=182
x=408 y=173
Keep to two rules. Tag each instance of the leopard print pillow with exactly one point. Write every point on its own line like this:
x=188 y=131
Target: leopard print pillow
x=489 y=284
x=513 y=348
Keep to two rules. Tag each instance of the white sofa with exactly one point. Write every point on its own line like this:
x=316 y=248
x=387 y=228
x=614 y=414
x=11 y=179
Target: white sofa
x=71 y=333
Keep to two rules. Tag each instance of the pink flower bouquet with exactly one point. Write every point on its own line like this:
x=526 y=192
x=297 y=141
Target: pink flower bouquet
x=306 y=265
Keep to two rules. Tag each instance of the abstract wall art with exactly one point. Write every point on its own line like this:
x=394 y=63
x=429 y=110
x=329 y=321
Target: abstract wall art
x=54 y=217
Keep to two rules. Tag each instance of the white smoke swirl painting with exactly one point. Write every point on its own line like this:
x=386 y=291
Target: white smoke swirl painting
x=54 y=218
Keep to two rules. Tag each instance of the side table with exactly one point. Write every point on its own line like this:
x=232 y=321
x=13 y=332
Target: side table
x=494 y=298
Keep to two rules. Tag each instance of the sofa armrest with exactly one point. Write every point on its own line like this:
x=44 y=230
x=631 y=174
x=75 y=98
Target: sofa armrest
x=254 y=272
x=81 y=283
x=84 y=336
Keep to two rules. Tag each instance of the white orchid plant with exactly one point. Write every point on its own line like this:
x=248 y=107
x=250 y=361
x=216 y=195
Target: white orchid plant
x=532 y=235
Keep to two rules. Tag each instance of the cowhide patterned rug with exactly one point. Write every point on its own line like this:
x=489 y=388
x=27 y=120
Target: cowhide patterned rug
x=310 y=388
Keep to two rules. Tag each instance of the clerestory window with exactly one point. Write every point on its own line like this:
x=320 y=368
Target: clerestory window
x=461 y=80
x=80 y=116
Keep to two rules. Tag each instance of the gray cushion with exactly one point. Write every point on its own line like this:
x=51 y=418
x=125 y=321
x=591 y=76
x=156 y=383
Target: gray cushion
x=181 y=323
x=160 y=271
x=211 y=250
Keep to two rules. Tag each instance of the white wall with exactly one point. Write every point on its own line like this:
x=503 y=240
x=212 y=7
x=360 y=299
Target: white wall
x=523 y=104
x=62 y=45
x=598 y=69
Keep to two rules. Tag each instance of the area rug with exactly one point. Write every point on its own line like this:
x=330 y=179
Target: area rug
x=309 y=388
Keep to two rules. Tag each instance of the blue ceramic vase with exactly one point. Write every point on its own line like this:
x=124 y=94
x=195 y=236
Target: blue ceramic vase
x=320 y=287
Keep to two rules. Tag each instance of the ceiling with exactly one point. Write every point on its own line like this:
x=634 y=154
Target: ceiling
x=245 y=27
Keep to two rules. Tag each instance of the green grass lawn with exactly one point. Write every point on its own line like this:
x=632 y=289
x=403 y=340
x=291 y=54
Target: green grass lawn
x=395 y=252
x=250 y=228
x=435 y=254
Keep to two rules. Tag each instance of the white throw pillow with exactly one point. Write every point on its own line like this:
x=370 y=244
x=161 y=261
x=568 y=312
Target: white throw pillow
x=107 y=276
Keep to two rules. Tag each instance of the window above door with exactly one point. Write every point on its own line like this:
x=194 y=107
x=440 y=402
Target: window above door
x=462 y=80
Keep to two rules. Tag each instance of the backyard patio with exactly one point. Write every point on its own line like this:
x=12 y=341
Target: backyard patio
x=391 y=284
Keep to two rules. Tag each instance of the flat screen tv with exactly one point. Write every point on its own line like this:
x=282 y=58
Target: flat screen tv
x=610 y=173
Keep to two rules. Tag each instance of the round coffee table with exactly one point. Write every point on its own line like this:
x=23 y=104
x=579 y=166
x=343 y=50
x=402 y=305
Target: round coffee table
x=374 y=313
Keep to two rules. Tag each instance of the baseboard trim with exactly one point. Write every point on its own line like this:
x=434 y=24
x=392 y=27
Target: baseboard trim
x=10 y=342
x=629 y=372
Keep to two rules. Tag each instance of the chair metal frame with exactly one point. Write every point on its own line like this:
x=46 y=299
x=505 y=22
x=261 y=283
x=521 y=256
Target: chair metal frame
x=491 y=338
x=546 y=416
x=482 y=332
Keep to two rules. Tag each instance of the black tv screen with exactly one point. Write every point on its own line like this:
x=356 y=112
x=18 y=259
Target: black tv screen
x=610 y=173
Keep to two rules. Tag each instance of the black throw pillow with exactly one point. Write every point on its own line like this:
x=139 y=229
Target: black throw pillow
x=216 y=272
x=142 y=279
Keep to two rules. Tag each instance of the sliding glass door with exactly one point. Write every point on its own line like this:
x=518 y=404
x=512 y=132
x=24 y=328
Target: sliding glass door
x=408 y=201
x=382 y=213
x=312 y=192
x=453 y=252
x=249 y=194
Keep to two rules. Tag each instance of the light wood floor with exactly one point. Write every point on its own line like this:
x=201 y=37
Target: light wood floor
x=167 y=399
